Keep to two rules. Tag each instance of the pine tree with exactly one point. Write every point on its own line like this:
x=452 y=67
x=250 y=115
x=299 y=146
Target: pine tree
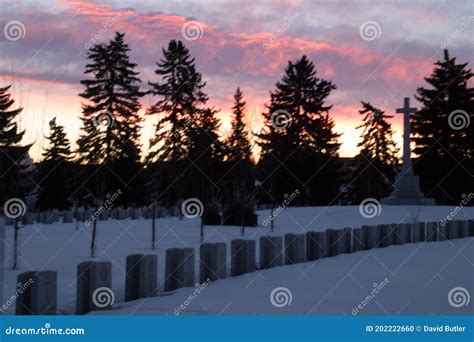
x=59 y=148
x=375 y=165
x=113 y=97
x=181 y=94
x=203 y=167
x=12 y=158
x=180 y=103
x=54 y=172
x=203 y=134
x=445 y=150
x=299 y=145
x=239 y=169
x=9 y=133
x=11 y=152
x=238 y=145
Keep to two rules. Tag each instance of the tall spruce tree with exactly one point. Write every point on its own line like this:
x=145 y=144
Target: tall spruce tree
x=14 y=159
x=238 y=145
x=203 y=167
x=54 y=172
x=375 y=165
x=180 y=103
x=180 y=92
x=443 y=131
x=111 y=124
x=113 y=97
x=12 y=153
x=239 y=169
x=299 y=145
x=59 y=147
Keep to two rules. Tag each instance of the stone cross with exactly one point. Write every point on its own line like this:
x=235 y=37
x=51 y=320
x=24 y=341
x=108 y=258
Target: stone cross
x=406 y=110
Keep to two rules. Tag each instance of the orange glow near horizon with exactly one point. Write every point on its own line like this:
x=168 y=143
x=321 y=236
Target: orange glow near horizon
x=40 y=108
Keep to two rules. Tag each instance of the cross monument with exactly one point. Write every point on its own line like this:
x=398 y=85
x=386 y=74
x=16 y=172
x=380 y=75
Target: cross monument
x=407 y=184
x=406 y=110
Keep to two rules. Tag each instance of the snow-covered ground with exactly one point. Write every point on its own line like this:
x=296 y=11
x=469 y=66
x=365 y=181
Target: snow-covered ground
x=61 y=247
x=411 y=279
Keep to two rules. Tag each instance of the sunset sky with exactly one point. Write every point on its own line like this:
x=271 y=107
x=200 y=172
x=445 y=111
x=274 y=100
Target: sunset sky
x=373 y=51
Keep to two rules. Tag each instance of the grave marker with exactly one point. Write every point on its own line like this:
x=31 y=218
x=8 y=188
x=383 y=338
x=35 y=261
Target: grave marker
x=92 y=275
x=271 y=251
x=294 y=248
x=141 y=278
x=431 y=229
x=419 y=232
x=242 y=256
x=212 y=261
x=179 y=270
x=37 y=293
x=358 y=241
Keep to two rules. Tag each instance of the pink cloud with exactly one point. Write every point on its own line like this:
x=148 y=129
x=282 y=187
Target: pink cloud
x=53 y=53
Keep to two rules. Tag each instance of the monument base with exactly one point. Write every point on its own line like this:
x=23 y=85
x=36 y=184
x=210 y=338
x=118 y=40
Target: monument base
x=407 y=192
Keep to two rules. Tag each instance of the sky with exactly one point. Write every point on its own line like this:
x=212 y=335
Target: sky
x=377 y=51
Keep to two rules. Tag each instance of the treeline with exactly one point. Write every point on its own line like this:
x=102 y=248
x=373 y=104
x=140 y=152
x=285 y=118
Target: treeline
x=298 y=145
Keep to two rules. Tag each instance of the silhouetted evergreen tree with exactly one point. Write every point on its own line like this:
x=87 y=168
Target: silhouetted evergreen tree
x=14 y=160
x=375 y=165
x=54 y=171
x=444 y=143
x=12 y=154
x=203 y=166
x=180 y=102
x=59 y=148
x=239 y=169
x=180 y=92
x=110 y=131
x=205 y=149
x=238 y=144
x=299 y=145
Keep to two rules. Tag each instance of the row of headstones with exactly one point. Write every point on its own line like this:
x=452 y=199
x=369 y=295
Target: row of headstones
x=141 y=277
x=84 y=214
